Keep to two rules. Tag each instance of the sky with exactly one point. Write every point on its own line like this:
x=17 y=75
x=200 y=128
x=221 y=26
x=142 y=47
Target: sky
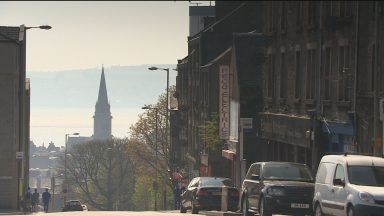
x=87 y=34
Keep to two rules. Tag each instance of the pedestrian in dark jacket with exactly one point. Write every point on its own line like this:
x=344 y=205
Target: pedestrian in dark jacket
x=35 y=200
x=46 y=199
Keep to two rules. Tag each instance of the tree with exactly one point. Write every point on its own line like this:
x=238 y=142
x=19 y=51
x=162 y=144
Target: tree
x=143 y=134
x=102 y=173
x=209 y=133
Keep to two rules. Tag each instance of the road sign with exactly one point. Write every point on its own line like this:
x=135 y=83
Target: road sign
x=19 y=155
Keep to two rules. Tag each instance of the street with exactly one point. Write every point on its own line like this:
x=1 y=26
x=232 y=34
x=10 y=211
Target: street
x=123 y=213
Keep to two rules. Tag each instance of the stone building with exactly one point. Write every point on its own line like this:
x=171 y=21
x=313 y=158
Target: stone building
x=14 y=117
x=321 y=79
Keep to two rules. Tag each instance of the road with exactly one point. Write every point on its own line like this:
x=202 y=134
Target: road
x=113 y=213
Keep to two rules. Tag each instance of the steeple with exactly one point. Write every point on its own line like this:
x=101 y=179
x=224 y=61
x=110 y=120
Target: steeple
x=103 y=97
x=102 y=117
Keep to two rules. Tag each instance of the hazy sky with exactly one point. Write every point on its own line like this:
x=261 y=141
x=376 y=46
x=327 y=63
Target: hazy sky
x=88 y=34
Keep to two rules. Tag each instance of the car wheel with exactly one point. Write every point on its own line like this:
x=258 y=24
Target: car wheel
x=194 y=209
x=182 y=209
x=351 y=211
x=244 y=207
x=318 y=211
x=263 y=211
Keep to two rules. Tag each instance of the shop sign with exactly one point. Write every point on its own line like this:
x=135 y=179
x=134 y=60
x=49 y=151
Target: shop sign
x=224 y=102
x=286 y=129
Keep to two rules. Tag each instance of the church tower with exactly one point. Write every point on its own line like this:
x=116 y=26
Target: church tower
x=102 y=117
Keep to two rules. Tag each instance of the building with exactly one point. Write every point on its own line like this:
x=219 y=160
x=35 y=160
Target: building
x=102 y=118
x=102 y=124
x=14 y=115
x=323 y=81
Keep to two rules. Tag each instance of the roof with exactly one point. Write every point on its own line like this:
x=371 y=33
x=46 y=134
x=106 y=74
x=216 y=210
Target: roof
x=9 y=33
x=357 y=160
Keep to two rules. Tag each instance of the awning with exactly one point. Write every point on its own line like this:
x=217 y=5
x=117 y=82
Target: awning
x=228 y=154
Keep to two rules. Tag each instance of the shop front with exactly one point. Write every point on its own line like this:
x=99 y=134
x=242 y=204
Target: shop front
x=339 y=137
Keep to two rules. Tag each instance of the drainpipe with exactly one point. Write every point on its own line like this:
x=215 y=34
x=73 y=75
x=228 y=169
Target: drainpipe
x=354 y=97
x=375 y=86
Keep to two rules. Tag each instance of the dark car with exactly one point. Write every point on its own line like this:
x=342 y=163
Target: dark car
x=73 y=205
x=277 y=188
x=205 y=193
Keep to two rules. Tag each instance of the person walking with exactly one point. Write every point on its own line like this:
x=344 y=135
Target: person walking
x=35 y=200
x=46 y=199
x=28 y=200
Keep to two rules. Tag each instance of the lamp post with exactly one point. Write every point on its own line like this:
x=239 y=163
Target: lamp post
x=166 y=121
x=155 y=183
x=23 y=135
x=65 y=165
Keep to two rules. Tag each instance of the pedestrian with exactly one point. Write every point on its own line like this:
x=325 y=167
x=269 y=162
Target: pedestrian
x=46 y=199
x=177 y=195
x=35 y=200
x=28 y=200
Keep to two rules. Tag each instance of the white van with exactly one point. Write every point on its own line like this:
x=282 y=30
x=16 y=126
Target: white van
x=349 y=185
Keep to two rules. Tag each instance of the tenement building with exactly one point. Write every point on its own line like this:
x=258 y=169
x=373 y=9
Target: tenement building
x=322 y=79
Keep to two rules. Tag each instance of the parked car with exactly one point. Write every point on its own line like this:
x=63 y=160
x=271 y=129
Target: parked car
x=277 y=188
x=349 y=185
x=73 y=205
x=205 y=193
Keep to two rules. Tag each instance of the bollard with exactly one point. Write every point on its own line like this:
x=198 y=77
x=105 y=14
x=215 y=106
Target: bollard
x=224 y=199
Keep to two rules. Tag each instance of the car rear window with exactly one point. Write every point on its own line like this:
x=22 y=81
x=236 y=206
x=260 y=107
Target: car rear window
x=219 y=182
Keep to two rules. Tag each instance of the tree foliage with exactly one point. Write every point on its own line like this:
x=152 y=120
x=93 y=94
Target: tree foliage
x=209 y=133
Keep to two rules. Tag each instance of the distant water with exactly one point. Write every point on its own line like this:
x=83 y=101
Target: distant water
x=63 y=101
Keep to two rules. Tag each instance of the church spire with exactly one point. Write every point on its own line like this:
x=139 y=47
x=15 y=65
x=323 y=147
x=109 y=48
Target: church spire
x=103 y=97
x=102 y=117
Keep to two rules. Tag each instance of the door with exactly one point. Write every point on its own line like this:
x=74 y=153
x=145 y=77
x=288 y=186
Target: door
x=339 y=193
x=324 y=187
x=254 y=189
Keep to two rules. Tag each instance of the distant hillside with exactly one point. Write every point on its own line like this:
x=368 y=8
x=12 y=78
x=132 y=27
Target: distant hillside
x=128 y=86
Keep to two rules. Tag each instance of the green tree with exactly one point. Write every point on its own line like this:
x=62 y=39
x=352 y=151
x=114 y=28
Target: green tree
x=209 y=133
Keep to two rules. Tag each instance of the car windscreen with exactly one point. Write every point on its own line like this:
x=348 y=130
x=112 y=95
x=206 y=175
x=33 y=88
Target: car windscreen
x=216 y=182
x=366 y=175
x=287 y=172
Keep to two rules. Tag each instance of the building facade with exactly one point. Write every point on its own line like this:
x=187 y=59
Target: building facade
x=14 y=115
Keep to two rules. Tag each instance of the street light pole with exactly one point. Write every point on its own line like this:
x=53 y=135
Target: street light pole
x=166 y=126
x=65 y=166
x=156 y=157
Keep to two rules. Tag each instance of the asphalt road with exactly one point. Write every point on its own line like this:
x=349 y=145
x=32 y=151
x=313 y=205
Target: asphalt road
x=112 y=213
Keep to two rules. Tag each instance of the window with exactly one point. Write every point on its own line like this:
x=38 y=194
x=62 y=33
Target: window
x=271 y=75
x=324 y=173
x=327 y=74
x=339 y=173
x=311 y=74
x=344 y=73
x=253 y=170
x=373 y=69
x=283 y=77
x=299 y=75
x=271 y=17
x=299 y=16
x=366 y=175
x=345 y=9
x=283 y=16
x=311 y=14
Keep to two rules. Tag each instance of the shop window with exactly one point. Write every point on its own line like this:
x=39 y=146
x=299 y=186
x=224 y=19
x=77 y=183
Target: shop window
x=283 y=17
x=299 y=15
x=311 y=14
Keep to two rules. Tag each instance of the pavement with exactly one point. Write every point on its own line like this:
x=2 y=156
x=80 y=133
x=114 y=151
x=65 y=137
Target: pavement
x=219 y=213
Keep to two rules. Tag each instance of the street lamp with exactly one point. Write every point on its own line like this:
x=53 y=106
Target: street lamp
x=146 y=107
x=65 y=164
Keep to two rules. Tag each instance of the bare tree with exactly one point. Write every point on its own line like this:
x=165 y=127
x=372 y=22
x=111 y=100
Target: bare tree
x=102 y=173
